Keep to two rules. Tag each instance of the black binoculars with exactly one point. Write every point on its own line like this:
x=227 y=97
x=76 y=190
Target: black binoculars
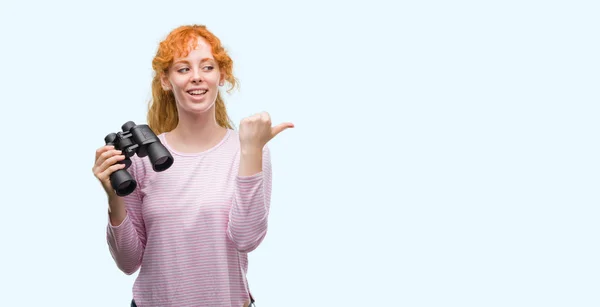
x=140 y=140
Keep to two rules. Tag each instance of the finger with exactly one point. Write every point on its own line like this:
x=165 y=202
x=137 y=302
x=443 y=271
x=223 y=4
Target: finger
x=110 y=161
x=265 y=117
x=102 y=149
x=107 y=154
x=247 y=120
x=277 y=129
x=106 y=173
x=103 y=156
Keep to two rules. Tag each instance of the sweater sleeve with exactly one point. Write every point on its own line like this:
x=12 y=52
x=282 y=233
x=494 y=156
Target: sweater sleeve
x=127 y=240
x=248 y=216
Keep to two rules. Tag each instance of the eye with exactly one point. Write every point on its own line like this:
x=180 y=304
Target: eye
x=182 y=70
x=209 y=68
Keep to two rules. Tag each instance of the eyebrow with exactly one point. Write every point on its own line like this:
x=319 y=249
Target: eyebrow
x=201 y=61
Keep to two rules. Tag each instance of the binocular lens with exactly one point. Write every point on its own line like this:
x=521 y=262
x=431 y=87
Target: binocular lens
x=122 y=182
x=126 y=188
x=161 y=163
x=160 y=157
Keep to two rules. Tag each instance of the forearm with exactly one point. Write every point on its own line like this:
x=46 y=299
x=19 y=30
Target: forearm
x=125 y=246
x=249 y=213
x=125 y=233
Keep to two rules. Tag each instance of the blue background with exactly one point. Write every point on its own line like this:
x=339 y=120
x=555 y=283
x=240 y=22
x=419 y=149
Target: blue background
x=445 y=152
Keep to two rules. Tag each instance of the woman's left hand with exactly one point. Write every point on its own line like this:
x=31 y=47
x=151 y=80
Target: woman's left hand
x=256 y=131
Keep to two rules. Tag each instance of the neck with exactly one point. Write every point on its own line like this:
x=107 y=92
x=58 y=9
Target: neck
x=196 y=132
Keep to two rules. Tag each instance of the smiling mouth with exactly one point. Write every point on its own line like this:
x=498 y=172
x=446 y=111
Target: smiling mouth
x=197 y=92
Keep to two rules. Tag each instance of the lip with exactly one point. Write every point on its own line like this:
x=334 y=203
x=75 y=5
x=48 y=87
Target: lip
x=197 y=89
x=197 y=98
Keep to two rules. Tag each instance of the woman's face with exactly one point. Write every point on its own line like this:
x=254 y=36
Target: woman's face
x=194 y=79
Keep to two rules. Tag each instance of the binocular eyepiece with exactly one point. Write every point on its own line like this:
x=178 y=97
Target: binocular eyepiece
x=140 y=140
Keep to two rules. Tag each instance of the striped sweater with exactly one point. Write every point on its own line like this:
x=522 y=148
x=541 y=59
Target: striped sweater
x=189 y=229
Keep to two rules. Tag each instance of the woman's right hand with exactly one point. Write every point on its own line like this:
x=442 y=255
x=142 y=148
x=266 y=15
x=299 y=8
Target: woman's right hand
x=106 y=163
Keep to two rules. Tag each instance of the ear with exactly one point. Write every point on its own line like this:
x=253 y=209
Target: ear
x=164 y=81
x=222 y=79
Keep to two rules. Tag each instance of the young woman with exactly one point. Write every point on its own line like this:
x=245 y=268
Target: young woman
x=190 y=228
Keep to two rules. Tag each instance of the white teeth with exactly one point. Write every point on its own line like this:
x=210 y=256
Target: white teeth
x=198 y=92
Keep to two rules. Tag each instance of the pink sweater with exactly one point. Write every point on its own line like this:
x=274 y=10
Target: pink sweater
x=189 y=229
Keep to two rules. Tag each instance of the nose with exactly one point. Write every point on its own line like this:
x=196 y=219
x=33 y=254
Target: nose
x=196 y=76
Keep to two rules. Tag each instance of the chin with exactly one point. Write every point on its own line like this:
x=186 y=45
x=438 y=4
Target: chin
x=199 y=107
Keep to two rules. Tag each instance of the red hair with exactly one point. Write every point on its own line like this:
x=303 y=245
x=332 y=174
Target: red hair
x=162 y=110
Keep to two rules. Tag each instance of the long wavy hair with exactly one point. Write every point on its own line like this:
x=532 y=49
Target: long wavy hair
x=162 y=110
